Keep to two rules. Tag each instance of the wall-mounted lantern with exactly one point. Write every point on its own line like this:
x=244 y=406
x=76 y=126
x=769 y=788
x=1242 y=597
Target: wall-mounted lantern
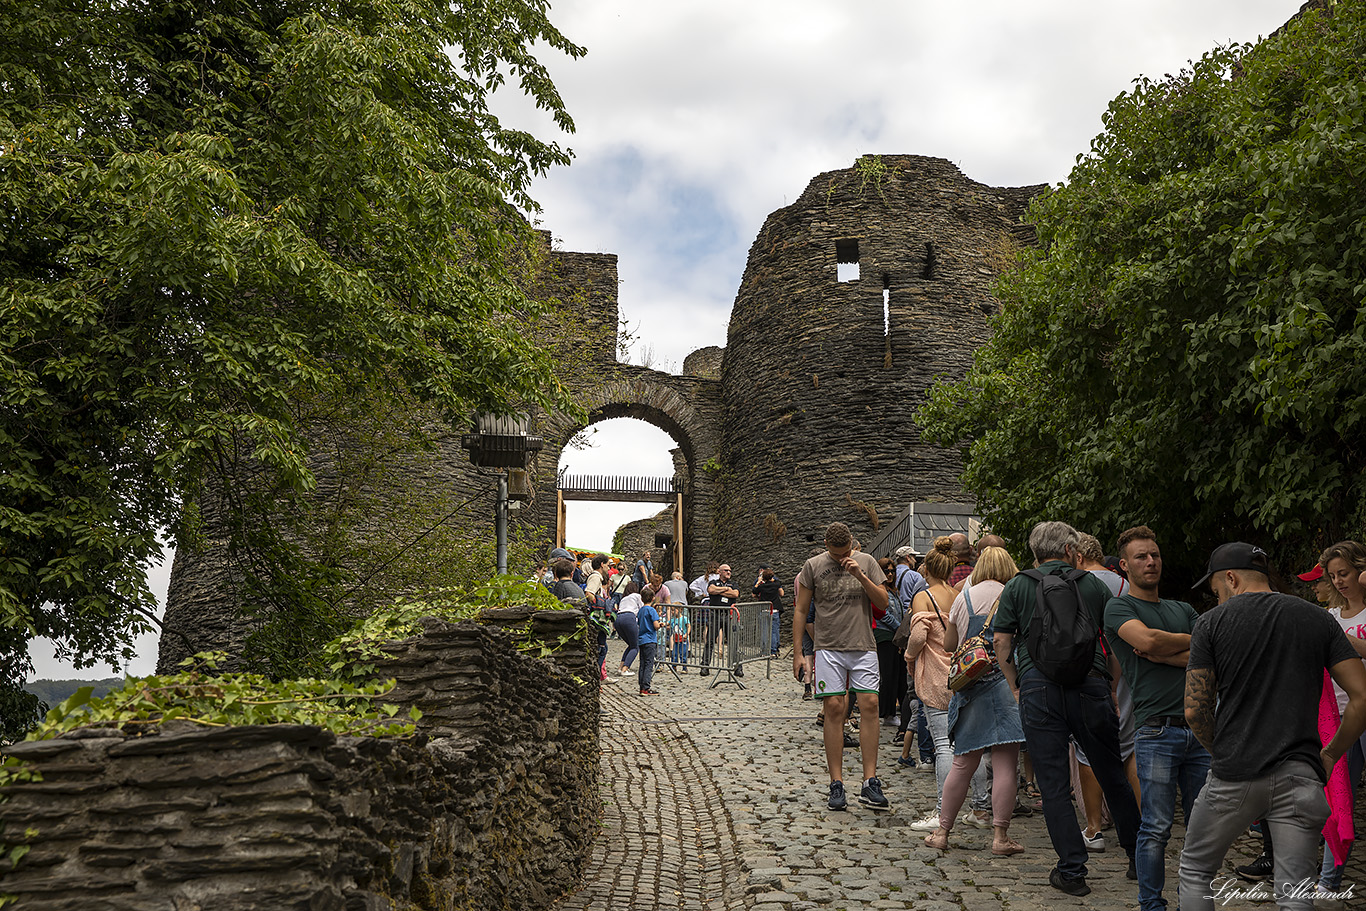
x=503 y=442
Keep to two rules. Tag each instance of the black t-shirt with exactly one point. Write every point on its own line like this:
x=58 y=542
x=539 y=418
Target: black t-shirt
x=768 y=591
x=1268 y=652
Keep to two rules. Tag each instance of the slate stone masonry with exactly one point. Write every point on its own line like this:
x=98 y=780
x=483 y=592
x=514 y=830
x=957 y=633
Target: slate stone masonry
x=492 y=805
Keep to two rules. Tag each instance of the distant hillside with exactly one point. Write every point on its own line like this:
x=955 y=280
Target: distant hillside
x=55 y=692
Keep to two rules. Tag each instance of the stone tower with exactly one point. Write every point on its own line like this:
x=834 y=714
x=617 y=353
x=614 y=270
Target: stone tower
x=854 y=299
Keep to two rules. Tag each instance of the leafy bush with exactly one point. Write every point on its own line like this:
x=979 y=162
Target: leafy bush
x=203 y=697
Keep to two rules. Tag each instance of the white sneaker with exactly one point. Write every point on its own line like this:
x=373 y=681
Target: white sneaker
x=1093 y=843
x=970 y=818
x=928 y=824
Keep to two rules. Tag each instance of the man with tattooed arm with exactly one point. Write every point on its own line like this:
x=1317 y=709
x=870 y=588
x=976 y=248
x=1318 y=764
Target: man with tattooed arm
x=1252 y=693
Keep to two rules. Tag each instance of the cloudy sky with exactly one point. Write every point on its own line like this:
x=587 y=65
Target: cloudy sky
x=697 y=118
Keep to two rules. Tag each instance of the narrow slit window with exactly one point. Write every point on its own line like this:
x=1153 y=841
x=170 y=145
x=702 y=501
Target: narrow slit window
x=846 y=260
x=886 y=321
x=929 y=261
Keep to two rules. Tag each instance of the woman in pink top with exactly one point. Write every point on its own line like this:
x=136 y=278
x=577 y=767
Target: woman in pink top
x=927 y=660
x=1343 y=565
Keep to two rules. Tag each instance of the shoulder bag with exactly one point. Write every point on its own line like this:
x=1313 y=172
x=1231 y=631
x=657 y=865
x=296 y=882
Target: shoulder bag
x=974 y=658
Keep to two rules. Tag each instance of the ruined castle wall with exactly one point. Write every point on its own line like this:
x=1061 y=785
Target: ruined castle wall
x=818 y=396
x=493 y=806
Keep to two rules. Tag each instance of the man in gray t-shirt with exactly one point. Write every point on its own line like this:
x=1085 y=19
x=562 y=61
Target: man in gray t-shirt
x=1261 y=655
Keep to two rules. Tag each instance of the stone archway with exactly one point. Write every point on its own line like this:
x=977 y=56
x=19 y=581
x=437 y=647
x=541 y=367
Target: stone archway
x=687 y=408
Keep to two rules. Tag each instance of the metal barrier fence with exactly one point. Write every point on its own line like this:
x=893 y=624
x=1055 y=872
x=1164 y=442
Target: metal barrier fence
x=716 y=640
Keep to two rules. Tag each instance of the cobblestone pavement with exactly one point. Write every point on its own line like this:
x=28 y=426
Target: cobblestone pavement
x=714 y=798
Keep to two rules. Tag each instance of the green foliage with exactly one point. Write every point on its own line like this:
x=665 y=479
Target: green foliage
x=424 y=549
x=1183 y=348
x=352 y=654
x=55 y=691
x=20 y=710
x=199 y=695
x=215 y=216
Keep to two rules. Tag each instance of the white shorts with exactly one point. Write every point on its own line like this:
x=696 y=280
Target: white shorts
x=838 y=672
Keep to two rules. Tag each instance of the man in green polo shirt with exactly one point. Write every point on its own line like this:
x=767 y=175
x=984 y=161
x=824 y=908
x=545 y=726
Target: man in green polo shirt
x=1150 y=636
x=1051 y=713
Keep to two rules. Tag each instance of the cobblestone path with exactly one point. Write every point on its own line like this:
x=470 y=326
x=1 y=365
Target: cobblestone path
x=714 y=798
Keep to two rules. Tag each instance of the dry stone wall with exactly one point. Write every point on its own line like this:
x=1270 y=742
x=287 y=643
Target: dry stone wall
x=492 y=806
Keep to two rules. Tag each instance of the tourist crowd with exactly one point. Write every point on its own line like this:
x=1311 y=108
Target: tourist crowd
x=1074 y=679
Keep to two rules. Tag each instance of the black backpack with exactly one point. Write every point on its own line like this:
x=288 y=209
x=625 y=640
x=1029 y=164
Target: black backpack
x=1062 y=636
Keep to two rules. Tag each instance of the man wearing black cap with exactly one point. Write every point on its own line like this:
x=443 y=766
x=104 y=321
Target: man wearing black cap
x=1261 y=655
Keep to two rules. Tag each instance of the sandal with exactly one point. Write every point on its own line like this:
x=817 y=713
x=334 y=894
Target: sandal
x=1031 y=791
x=1007 y=849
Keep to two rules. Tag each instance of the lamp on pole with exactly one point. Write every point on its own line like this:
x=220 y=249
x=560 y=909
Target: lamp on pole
x=503 y=442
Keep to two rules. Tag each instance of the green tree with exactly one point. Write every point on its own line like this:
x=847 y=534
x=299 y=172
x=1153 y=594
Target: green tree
x=216 y=214
x=1183 y=347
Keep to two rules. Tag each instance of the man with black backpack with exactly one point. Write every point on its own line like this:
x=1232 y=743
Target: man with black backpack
x=1048 y=625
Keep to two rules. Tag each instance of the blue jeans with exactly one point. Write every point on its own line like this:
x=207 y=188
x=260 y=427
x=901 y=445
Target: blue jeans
x=777 y=622
x=1168 y=757
x=1290 y=800
x=1050 y=714
x=628 y=628
x=922 y=736
x=647 y=664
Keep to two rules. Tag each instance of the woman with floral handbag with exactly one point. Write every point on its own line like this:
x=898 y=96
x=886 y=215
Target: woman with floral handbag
x=983 y=713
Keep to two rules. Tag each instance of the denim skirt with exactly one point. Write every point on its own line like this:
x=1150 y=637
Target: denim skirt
x=984 y=715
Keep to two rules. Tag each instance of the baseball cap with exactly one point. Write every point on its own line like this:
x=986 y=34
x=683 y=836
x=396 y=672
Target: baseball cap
x=906 y=551
x=559 y=553
x=1313 y=575
x=1237 y=555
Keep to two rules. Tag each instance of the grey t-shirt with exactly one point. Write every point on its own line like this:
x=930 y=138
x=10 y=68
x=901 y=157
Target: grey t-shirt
x=678 y=591
x=1268 y=652
x=843 y=615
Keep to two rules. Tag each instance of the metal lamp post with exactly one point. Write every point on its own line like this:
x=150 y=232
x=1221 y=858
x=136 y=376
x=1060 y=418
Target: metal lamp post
x=505 y=443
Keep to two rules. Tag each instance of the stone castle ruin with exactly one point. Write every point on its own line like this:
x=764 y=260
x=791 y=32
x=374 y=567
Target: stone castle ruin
x=855 y=298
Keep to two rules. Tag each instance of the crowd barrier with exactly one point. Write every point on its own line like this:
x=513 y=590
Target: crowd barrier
x=697 y=638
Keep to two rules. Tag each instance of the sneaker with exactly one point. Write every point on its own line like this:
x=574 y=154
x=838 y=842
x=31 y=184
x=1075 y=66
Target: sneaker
x=837 y=801
x=927 y=765
x=905 y=762
x=928 y=824
x=1260 y=870
x=872 y=796
x=1072 y=885
x=649 y=692
x=970 y=818
x=1094 y=843
x=705 y=672
x=806 y=694
x=850 y=741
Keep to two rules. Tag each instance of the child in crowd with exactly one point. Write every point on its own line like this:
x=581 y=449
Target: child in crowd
x=679 y=628
x=648 y=624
